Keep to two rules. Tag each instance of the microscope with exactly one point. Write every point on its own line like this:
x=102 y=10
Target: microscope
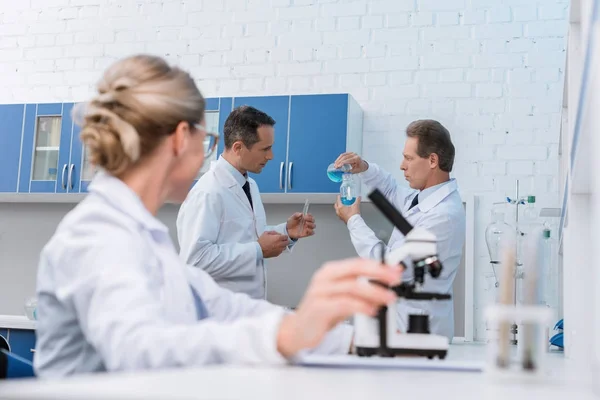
x=379 y=335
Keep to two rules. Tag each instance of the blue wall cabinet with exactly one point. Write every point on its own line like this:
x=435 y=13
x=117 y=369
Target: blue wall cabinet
x=50 y=158
x=41 y=152
x=272 y=177
x=11 y=128
x=310 y=132
x=321 y=128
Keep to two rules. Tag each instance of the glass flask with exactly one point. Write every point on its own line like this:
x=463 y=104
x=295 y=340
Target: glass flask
x=495 y=234
x=335 y=174
x=348 y=190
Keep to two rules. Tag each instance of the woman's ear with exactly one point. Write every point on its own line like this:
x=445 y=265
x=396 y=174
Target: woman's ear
x=180 y=138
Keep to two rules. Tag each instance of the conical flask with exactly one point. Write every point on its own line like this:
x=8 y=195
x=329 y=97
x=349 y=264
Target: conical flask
x=495 y=233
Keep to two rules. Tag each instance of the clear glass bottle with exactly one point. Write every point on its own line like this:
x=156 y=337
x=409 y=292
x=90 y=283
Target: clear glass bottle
x=528 y=222
x=348 y=190
x=530 y=215
x=31 y=308
x=495 y=233
x=336 y=174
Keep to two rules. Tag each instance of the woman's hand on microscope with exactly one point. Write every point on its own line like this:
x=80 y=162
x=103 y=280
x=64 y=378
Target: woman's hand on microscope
x=335 y=293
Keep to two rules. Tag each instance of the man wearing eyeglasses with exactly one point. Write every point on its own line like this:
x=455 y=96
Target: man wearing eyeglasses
x=222 y=225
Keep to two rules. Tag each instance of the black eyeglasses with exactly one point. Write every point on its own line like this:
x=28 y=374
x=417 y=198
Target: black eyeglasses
x=211 y=140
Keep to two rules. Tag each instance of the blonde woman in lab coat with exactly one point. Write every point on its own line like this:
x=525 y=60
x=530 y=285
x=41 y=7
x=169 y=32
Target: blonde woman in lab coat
x=113 y=294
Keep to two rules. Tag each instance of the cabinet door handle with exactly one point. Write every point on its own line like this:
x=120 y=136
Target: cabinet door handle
x=281 y=175
x=70 y=176
x=290 y=175
x=62 y=177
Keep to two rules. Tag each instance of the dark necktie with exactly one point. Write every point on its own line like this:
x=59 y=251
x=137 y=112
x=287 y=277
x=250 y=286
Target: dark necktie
x=414 y=202
x=246 y=188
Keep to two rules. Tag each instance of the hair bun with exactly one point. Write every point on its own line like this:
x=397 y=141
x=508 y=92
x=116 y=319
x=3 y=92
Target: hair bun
x=114 y=143
x=140 y=101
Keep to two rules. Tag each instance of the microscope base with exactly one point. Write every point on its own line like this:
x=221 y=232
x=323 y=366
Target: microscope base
x=407 y=344
x=370 y=352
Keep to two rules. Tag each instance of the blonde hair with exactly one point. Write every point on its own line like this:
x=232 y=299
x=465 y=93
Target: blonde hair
x=141 y=100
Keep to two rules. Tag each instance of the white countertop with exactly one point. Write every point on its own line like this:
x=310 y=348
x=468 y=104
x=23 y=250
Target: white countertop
x=16 y=322
x=561 y=381
x=267 y=198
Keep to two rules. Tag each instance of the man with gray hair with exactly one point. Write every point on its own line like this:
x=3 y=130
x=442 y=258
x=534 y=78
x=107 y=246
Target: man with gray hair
x=222 y=226
x=432 y=202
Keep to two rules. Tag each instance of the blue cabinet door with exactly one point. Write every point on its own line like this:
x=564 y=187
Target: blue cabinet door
x=65 y=182
x=27 y=147
x=11 y=129
x=46 y=142
x=318 y=130
x=212 y=104
x=272 y=177
x=22 y=341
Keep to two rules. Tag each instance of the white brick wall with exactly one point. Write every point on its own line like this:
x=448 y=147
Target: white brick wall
x=490 y=70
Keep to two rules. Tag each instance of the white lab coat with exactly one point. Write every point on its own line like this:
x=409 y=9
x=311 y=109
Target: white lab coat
x=218 y=231
x=440 y=210
x=114 y=295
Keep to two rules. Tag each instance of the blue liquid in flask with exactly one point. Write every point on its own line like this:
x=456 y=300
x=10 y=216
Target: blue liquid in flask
x=348 y=201
x=348 y=190
x=336 y=174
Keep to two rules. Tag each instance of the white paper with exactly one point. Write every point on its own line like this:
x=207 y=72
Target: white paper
x=375 y=362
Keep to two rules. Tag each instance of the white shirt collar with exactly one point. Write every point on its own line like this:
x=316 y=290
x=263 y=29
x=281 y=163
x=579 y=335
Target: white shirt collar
x=433 y=195
x=237 y=175
x=423 y=194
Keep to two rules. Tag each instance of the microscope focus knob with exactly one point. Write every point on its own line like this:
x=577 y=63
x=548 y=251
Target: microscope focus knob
x=418 y=324
x=434 y=266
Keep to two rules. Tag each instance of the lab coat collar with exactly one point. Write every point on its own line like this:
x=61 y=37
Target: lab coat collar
x=436 y=197
x=121 y=197
x=234 y=180
x=237 y=175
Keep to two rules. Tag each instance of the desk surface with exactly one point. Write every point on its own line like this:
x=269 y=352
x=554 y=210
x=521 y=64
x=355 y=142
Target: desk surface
x=290 y=383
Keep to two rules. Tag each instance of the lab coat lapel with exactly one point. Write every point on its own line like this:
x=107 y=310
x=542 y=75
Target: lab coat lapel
x=230 y=182
x=239 y=192
x=438 y=196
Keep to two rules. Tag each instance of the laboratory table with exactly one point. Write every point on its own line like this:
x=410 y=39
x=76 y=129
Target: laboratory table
x=562 y=380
